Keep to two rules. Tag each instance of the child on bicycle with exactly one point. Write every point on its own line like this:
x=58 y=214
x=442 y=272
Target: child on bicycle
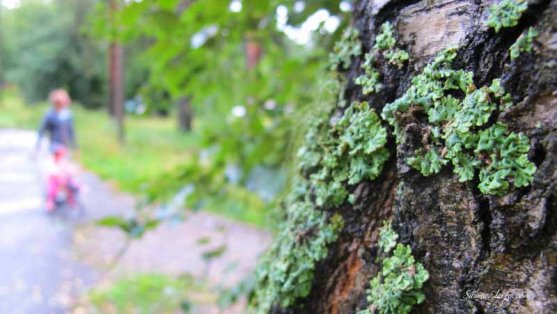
x=58 y=124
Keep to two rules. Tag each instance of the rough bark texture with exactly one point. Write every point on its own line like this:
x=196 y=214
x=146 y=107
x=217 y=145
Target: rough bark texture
x=467 y=241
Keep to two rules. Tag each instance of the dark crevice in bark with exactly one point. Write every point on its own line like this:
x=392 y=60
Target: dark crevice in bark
x=485 y=217
x=538 y=155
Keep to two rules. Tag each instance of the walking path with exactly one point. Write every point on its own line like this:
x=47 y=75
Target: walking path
x=47 y=261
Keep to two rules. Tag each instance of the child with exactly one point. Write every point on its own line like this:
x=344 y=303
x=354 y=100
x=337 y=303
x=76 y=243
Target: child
x=58 y=121
x=61 y=172
x=58 y=124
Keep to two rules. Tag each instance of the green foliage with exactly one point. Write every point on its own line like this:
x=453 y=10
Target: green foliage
x=345 y=49
x=506 y=14
x=132 y=227
x=210 y=255
x=397 y=287
x=229 y=296
x=287 y=270
x=384 y=43
x=523 y=43
x=455 y=128
x=245 y=116
x=45 y=49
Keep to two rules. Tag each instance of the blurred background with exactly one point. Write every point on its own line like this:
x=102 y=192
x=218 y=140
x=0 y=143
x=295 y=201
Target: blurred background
x=188 y=116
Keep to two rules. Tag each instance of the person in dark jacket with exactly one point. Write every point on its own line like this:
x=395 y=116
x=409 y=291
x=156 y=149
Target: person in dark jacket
x=58 y=123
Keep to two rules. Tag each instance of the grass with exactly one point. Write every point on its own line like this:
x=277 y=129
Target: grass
x=147 y=293
x=153 y=147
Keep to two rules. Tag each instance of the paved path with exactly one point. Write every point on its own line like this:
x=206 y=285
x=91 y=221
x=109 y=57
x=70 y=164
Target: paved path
x=38 y=273
x=46 y=261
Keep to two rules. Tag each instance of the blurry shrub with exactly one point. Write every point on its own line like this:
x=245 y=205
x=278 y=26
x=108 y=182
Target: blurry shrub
x=144 y=294
x=46 y=49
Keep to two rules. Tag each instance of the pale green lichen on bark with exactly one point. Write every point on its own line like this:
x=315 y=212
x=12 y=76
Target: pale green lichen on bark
x=456 y=129
x=506 y=13
x=398 y=285
x=385 y=44
x=429 y=91
x=286 y=271
x=350 y=152
x=337 y=154
x=524 y=43
x=345 y=49
x=354 y=152
x=370 y=80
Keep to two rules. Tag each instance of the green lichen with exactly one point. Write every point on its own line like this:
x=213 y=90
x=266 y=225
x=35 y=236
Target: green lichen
x=385 y=40
x=456 y=128
x=385 y=43
x=363 y=138
x=505 y=158
x=387 y=237
x=398 y=286
x=354 y=152
x=310 y=154
x=397 y=57
x=334 y=156
x=428 y=163
x=523 y=43
x=345 y=49
x=506 y=13
x=286 y=271
x=369 y=81
x=431 y=91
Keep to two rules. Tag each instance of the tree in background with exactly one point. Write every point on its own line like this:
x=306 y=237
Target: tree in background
x=2 y=54
x=116 y=70
x=45 y=48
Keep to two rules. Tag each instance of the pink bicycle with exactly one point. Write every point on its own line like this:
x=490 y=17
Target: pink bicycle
x=62 y=188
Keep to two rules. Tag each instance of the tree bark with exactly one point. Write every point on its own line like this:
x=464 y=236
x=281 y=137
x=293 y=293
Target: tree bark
x=185 y=114
x=116 y=75
x=467 y=241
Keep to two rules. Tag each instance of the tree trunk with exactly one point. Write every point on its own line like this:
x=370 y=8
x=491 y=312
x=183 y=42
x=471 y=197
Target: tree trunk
x=470 y=243
x=253 y=51
x=185 y=114
x=116 y=75
x=2 y=65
